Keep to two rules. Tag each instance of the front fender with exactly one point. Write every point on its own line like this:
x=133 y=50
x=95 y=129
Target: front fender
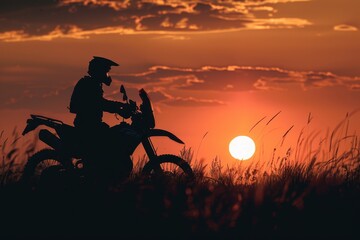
x=161 y=132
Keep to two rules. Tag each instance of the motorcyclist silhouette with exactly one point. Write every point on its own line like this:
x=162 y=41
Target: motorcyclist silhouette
x=87 y=100
x=88 y=103
x=92 y=152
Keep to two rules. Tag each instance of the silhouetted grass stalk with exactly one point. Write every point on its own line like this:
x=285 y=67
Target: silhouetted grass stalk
x=335 y=156
x=292 y=193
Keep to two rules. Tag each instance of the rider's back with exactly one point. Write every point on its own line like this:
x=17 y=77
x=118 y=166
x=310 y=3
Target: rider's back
x=86 y=103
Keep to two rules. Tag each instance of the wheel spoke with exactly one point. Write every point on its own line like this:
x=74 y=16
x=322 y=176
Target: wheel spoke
x=44 y=165
x=170 y=165
x=44 y=169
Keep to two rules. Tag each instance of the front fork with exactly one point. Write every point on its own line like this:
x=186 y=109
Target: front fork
x=150 y=151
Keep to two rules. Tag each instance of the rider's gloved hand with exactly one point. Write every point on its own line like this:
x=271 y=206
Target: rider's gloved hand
x=126 y=111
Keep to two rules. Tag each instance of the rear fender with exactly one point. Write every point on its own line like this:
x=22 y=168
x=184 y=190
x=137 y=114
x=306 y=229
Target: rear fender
x=161 y=132
x=31 y=125
x=37 y=120
x=50 y=139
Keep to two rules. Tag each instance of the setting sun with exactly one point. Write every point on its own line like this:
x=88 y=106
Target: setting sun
x=242 y=148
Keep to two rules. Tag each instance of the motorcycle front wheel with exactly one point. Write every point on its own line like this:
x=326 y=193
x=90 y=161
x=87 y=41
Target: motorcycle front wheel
x=168 y=165
x=46 y=170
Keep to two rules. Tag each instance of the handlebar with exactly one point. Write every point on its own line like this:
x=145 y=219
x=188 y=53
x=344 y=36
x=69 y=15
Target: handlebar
x=145 y=107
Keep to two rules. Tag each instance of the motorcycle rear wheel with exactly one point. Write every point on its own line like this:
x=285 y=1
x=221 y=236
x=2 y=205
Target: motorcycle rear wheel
x=46 y=170
x=170 y=165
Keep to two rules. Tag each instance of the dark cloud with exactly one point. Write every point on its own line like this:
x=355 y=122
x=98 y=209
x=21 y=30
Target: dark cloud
x=167 y=99
x=9 y=6
x=176 y=86
x=319 y=79
x=356 y=87
x=202 y=7
x=44 y=17
x=231 y=78
x=35 y=87
x=237 y=78
x=48 y=19
x=160 y=96
x=21 y=96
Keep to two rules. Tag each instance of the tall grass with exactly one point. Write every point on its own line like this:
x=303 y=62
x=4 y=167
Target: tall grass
x=311 y=189
x=14 y=153
x=335 y=156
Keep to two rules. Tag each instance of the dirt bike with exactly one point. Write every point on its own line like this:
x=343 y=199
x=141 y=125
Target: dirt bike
x=65 y=157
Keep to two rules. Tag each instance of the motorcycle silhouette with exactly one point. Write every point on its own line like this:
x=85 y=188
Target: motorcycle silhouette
x=66 y=158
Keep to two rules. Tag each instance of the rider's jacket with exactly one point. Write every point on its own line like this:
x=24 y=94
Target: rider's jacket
x=88 y=103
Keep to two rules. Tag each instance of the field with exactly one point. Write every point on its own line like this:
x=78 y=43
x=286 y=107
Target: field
x=317 y=197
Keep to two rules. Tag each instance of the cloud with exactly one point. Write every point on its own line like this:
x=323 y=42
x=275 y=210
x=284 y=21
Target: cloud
x=49 y=19
x=194 y=102
x=26 y=96
x=174 y=86
x=159 y=95
x=173 y=37
x=167 y=99
x=355 y=87
x=278 y=23
x=207 y=78
x=345 y=28
x=236 y=78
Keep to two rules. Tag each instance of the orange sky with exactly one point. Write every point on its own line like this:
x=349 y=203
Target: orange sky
x=210 y=67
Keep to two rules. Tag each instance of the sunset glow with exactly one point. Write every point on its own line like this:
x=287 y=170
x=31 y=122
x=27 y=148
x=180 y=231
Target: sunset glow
x=208 y=66
x=180 y=119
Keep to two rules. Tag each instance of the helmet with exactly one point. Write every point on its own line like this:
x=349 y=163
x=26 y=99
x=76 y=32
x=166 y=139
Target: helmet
x=99 y=67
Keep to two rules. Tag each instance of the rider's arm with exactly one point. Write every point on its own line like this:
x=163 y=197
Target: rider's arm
x=111 y=106
x=115 y=107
